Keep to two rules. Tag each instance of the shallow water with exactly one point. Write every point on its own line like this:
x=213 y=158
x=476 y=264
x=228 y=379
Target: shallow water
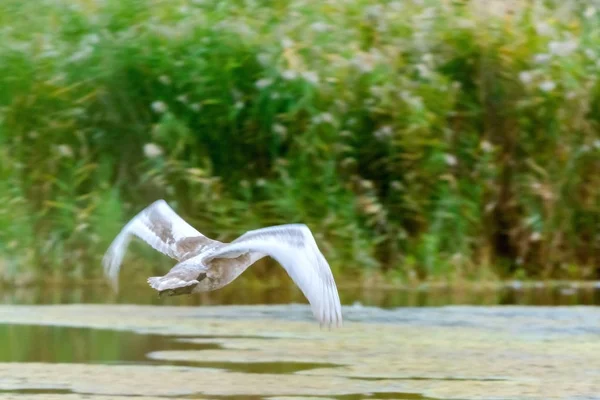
x=238 y=293
x=59 y=344
x=425 y=342
x=279 y=352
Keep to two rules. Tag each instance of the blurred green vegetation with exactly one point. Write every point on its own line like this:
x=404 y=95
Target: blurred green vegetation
x=421 y=139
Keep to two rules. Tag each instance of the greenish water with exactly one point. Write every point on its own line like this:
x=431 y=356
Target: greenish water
x=424 y=343
x=278 y=352
x=58 y=344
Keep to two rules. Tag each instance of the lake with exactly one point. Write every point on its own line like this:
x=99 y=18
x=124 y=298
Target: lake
x=515 y=341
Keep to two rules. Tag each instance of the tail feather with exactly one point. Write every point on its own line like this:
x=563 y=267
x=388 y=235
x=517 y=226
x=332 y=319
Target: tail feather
x=172 y=284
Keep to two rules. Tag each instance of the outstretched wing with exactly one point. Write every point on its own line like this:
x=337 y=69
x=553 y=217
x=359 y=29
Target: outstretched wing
x=164 y=230
x=294 y=247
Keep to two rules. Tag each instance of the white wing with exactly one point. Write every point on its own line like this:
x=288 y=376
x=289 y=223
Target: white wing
x=294 y=247
x=160 y=227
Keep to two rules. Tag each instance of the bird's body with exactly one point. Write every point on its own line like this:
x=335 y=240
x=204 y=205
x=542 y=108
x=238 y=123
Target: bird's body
x=205 y=264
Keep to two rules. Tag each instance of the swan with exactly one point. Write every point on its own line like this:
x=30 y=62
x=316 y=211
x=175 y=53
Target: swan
x=205 y=264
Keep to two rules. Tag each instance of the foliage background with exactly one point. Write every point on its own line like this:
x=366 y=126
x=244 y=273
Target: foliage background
x=418 y=139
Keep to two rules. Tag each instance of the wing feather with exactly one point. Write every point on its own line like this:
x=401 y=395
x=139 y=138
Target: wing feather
x=160 y=227
x=294 y=247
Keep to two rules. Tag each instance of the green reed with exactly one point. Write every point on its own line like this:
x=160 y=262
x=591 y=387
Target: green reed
x=425 y=139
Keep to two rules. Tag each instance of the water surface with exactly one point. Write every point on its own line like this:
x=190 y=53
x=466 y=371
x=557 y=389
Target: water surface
x=510 y=341
x=279 y=352
x=241 y=293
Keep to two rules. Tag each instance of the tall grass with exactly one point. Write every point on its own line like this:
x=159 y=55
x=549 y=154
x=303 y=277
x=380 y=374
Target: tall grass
x=425 y=139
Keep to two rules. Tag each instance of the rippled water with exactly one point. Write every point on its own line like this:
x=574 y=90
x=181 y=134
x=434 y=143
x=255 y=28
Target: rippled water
x=396 y=344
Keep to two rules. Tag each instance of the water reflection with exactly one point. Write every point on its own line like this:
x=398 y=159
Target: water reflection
x=54 y=344
x=556 y=294
x=57 y=344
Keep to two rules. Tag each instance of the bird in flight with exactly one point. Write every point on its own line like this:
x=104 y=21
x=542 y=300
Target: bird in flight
x=205 y=264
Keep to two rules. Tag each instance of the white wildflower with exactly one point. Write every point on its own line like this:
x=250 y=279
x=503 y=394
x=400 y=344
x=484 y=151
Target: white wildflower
x=427 y=14
x=597 y=144
x=319 y=26
x=347 y=162
x=450 y=160
x=260 y=182
x=371 y=207
x=585 y=148
x=385 y=132
x=289 y=75
x=279 y=130
x=396 y=6
x=182 y=98
x=243 y=29
x=275 y=95
x=264 y=59
x=547 y=86
x=239 y=105
x=286 y=43
x=91 y=38
x=486 y=146
x=543 y=29
x=423 y=71
x=366 y=184
x=535 y=237
x=541 y=58
x=81 y=227
x=519 y=260
x=263 y=83
x=152 y=150
x=526 y=77
x=589 y=12
x=465 y=23
x=415 y=102
x=397 y=185
x=64 y=150
x=589 y=53
x=82 y=54
x=562 y=49
x=323 y=118
x=164 y=79
x=159 y=107
x=364 y=62
x=427 y=58
x=196 y=106
x=374 y=11
x=311 y=76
